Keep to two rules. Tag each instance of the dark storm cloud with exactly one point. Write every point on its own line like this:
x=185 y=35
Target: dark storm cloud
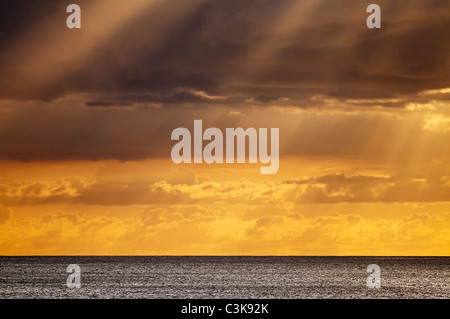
x=120 y=95
x=216 y=50
x=68 y=130
x=19 y=16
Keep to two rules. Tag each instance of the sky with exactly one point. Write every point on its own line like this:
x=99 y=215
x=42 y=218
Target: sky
x=86 y=117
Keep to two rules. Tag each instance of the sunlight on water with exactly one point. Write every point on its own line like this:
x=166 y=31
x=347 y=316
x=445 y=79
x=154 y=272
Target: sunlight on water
x=225 y=277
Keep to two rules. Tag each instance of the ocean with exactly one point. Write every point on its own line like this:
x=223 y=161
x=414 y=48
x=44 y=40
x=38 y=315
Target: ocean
x=224 y=277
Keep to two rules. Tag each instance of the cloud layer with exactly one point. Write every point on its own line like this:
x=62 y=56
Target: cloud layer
x=262 y=51
x=86 y=117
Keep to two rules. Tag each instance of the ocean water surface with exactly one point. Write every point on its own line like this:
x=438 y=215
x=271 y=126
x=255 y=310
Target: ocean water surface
x=224 y=277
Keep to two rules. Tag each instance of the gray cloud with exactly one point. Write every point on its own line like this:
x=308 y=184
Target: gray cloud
x=69 y=130
x=216 y=48
x=360 y=188
x=216 y=63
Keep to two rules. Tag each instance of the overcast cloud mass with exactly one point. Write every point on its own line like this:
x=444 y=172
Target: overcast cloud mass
x=86 y=117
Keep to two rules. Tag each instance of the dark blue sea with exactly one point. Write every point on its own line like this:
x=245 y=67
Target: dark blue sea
x=224 y=277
